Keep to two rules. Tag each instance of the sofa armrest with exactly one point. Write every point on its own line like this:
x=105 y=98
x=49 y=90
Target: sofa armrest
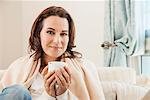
x=143 y=80
x=119 y=74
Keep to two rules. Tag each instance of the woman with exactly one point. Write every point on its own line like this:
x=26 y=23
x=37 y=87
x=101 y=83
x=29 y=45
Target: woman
x=52 y=39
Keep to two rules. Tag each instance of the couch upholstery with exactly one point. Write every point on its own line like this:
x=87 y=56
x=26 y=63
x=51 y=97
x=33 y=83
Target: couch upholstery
x=121 y=83
x=119 y=74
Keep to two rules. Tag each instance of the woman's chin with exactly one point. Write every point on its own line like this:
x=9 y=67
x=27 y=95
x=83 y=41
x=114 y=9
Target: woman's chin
x=54 y=55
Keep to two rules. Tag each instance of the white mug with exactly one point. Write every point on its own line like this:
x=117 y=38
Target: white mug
x=54 y=65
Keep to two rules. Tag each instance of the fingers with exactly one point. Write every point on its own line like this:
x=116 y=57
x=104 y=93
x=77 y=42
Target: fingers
x=52 y=85
x=49 y=85
x=48 y=75
x=50 y=81
x=69 y=72
x=61 y=76
x=66 y=75
x=60 y=79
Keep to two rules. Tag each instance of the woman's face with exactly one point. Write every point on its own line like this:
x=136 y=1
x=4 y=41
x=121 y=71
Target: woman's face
x=54 y=36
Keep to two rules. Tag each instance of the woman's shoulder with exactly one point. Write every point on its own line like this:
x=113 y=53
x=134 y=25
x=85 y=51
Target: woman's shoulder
x=21 y=59
x=87 y=65
x=85 y=62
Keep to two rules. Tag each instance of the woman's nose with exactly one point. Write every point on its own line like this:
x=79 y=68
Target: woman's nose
x=57 y=39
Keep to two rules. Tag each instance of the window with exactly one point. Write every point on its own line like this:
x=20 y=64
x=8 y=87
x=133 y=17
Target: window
x=145 y=59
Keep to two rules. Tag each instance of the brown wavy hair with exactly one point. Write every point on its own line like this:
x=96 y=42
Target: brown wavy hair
x=35 y=41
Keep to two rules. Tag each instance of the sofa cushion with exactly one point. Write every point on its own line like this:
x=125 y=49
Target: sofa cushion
x=119 y=74
x=143 y=81
x=122 y=91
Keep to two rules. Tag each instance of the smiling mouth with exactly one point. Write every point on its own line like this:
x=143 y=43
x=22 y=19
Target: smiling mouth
x=56 y=47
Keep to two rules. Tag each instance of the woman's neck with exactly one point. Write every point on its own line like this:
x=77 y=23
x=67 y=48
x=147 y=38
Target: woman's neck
x=47 y=59
x=44 y=61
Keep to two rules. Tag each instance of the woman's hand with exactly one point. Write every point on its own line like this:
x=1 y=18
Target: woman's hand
x=49 y=81
x=63 y=78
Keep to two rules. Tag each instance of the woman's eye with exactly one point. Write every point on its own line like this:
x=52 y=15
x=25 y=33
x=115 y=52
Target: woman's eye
x=63 y=34
x=50 y=32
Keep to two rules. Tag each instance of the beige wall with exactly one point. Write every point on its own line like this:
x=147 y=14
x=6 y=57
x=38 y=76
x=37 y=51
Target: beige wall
x=10 y=32
x=88 y=17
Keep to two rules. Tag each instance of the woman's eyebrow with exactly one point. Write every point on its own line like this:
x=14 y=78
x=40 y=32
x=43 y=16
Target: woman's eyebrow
x=64 y=30
x=51 y=28
x=54 y=29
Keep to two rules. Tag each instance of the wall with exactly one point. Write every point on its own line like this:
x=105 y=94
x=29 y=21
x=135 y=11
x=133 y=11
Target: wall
x=88 y=17
x=10 y=32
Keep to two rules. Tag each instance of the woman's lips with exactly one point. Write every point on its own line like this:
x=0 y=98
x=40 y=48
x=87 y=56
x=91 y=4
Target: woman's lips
x=55 y=47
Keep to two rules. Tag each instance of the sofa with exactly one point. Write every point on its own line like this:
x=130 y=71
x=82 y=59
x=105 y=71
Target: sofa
x=121 y=83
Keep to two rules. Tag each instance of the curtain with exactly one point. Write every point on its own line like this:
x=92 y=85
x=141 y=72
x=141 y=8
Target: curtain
x=124 y=27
